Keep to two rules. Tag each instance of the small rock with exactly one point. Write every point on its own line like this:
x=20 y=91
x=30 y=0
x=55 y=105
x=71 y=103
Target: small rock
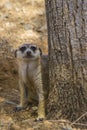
x=14 y=127
x=30 y=129
x=27 y=26
x=1 y=88
x=34 y=108
x=48 y=124
x=8 y=5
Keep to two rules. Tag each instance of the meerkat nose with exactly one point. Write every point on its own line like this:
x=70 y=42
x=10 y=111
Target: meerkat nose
x=28 y=53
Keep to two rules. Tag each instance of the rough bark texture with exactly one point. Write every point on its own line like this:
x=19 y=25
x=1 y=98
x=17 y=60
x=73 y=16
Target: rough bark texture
x=67 y=39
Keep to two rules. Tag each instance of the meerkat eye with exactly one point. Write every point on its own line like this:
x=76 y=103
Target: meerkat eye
x=22 y=49
x=33 y=48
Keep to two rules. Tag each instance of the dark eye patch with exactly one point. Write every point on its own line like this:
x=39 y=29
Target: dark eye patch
x=33 y=48
x=22 y=48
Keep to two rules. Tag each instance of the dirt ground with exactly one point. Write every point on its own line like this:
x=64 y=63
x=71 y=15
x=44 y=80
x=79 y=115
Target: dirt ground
x=20 y=22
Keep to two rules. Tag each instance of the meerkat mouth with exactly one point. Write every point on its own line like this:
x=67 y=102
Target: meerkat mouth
x=28 y=56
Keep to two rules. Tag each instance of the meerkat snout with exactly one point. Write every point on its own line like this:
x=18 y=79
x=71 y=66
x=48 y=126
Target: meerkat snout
x=29 y=53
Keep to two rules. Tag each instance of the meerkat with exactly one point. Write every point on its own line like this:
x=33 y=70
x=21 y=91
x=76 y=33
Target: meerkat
x=33 y=76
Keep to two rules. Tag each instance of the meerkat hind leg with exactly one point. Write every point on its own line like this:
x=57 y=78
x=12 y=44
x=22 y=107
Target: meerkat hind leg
x=41 y=111
x=23 y=98
x=41 y=104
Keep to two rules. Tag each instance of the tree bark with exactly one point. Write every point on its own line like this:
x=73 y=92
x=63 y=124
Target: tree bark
x=67 y=44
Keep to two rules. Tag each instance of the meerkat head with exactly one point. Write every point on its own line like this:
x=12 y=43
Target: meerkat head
x=28 y=52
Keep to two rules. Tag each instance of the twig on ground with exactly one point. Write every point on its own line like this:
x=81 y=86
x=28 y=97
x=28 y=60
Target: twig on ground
x=80 y=124
x=79 y=118
x=10 y=102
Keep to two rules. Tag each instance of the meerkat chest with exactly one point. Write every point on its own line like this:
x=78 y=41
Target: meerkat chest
x=32 y=71
x=23 y=72
x=29 y=72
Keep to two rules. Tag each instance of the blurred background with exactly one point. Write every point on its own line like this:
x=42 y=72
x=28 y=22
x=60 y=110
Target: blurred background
x=21 y=21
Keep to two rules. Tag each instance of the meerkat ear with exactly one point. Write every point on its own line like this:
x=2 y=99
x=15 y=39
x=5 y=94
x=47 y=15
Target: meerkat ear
x=40 y=51
x=15 y=53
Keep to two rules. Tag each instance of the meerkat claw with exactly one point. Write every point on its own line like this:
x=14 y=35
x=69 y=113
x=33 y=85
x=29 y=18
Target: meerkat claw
x=39 y=119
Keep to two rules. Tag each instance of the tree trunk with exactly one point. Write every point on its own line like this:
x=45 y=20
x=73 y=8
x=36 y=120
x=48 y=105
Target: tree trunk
x=67 y=43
